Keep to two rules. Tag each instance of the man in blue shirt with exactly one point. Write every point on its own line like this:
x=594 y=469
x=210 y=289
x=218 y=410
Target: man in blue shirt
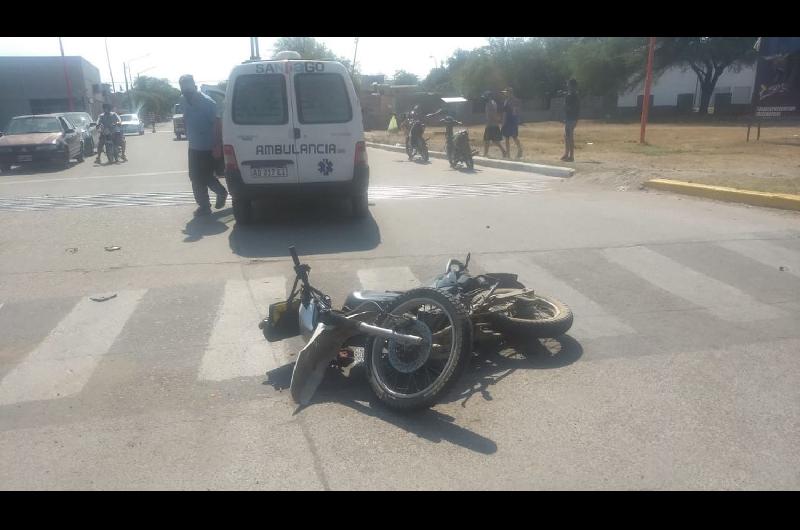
x=199 y=115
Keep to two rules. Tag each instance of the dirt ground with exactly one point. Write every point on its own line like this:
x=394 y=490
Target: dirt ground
x=610 y=154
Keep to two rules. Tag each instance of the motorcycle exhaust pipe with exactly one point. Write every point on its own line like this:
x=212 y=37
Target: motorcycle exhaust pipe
x=389 y=334
x=328 y=317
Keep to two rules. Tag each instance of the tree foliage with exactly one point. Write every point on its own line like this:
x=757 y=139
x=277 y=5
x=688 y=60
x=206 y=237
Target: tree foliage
x=401 y=77
x=538 y=68
x=150 y=94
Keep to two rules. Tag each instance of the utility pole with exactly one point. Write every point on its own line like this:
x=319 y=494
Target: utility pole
x=355 y=53
x=110 y=71
x=254 y=53
x=647 y=82
x=66 y=77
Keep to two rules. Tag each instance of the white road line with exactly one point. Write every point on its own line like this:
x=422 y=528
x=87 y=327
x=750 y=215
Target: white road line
x=591 y=320
x=767 y=253
x=388 y=279
x=35 y=181
x=237 y=347
x=720 y=299
x=63 y=363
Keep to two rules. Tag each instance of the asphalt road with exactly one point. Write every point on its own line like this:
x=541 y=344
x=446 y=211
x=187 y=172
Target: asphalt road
x=681 y=371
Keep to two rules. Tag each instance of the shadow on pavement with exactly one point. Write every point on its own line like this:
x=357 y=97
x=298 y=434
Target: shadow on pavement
x=487 y=368
x=322 y=228
x=208 y=225
x=354 y=392
x=492 y=364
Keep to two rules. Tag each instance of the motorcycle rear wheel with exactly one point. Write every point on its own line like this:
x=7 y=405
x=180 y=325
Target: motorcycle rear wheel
x=408 y=377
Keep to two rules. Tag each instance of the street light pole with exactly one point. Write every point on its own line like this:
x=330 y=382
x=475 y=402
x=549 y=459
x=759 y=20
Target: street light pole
x=355 y=54
x=66 y=77
x=647 y=82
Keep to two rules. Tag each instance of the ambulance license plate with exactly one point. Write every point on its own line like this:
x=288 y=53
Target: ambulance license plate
x=267 y=172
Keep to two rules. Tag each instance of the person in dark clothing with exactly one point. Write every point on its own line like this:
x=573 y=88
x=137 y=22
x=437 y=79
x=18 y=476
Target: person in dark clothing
x=571 y=112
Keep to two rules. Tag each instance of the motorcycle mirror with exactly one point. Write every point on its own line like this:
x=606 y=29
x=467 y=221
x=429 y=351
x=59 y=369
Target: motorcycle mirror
x=466 y=261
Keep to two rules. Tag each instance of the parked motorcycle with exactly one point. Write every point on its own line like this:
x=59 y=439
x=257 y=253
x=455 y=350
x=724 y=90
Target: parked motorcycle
x=416 y=343
x=457 y=146
x=416 y=144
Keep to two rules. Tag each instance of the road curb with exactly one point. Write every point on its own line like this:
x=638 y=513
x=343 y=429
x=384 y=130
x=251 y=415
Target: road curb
x=540 y=169
x=784 y=201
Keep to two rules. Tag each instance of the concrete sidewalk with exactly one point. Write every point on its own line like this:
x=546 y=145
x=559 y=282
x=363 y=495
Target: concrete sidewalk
x=540 y=169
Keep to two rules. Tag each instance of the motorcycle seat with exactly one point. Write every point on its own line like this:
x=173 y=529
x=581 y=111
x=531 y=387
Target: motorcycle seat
x=356 y=298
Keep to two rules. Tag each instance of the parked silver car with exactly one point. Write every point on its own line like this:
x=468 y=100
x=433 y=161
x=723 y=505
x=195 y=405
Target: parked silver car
x=131 y=124
x=84 y=124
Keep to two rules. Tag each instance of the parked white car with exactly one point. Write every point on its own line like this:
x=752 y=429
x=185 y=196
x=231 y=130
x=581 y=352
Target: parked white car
x=131 y=124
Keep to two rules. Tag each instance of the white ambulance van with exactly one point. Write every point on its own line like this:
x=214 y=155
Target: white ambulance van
x=293 y=127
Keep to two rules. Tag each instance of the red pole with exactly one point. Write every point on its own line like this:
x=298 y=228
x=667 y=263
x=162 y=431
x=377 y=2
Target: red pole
x=66 y=77
x=647 y=82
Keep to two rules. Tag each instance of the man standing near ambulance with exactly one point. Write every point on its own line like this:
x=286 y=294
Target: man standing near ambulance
x=200 y=114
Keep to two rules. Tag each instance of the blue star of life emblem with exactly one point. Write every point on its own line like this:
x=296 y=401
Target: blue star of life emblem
x=325 y=167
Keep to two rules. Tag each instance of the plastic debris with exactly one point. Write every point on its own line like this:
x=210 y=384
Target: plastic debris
x=112 y=249
x=782 y=268
x=72 y=250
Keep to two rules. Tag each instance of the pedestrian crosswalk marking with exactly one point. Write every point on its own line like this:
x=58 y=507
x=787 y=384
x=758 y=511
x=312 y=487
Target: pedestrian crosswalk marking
x=376 y=193
x=591 y=320
x=388 y=279
x=766 y=253
x=63 y=363
x=720 y=299
x=237 y=347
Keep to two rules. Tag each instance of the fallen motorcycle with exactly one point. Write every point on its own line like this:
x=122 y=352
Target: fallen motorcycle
x=416 y=343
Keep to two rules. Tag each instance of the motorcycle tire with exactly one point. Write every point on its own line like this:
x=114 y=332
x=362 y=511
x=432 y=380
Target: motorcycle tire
x=423 y=151
x=409 y=150
x=470 y=163
x=529 y=323
x=456 y=363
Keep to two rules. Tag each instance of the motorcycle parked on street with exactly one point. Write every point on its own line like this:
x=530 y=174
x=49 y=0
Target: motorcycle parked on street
x=415 y=343
x=457 y=146
x=416 y=144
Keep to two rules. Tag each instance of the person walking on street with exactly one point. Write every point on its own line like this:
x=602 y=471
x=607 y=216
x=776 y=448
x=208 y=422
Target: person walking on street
x=491 y=134
x=199 y=114
x=571 y=111
x=510 y=127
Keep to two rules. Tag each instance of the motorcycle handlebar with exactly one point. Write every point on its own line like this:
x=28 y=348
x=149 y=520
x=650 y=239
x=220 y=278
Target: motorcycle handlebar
x=296 y=260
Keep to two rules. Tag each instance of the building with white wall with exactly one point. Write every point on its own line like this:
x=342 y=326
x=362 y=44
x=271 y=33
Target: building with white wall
x=682 y=82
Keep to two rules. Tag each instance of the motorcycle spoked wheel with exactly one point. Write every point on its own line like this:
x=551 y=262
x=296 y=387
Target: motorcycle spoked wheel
x=423 y=150
x=408 y=377
x=532 y=316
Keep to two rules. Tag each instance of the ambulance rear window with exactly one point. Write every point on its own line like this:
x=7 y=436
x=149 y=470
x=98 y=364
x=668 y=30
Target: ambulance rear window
x=322 y=98
x=260 y=99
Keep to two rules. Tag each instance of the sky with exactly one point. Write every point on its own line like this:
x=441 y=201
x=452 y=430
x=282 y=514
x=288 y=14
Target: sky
x=210 y=59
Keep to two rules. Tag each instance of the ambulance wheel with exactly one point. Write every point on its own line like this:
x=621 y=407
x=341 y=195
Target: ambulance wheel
x=242 y=211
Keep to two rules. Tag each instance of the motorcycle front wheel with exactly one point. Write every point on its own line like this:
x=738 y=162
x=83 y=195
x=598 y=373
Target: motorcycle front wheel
x=412 y=377
x=423 y=150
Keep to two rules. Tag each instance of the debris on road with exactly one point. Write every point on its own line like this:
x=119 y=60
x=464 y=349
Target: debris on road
x=72 y=250
x=782 y=268
x=112 y=249
x=102 y=298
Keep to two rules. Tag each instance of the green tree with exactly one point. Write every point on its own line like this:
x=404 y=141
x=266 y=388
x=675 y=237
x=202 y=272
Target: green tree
x=309 y=48
x=150 y=94
x=708 y=57
x=401 y=77
x=604 y=66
